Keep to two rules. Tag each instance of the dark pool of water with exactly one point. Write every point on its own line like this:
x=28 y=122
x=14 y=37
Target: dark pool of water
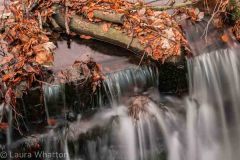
x=111 y=58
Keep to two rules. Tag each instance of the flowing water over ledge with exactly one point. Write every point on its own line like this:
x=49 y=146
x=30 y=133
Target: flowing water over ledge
x=205 y=125
x=134 y=122
x=138 y=126
x=211 y=125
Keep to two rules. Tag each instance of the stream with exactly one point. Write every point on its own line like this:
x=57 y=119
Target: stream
x=131 y=119
x=144 y=125
x=139 y=123
x=202 y=126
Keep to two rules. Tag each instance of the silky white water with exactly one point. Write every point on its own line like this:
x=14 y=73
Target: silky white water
x=205 y=125
x=144 y=125
x=211 y=125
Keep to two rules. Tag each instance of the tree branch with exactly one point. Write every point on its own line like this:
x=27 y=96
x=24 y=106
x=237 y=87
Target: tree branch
x=175 y=6
x=79 y=25
x=110 y=17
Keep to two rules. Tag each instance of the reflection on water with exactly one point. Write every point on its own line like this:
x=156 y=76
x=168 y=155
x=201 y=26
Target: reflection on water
x=111 y=58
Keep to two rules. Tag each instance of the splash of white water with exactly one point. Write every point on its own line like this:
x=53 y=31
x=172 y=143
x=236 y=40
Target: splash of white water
x=207 y=127
x=211 y=127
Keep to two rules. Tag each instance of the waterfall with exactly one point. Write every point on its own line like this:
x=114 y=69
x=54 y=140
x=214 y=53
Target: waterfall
x=138 y=126
x=207 y=128
x=211 y=125
x=131 y=120
x=129 y=81
x=122 y=137
x=114 y=86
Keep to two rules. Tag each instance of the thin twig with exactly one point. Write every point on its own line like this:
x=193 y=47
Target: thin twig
x=150 y=2
x=132 y=36
x=66 y=18
x=215 y=11
x=40 y=20
x=142 y=58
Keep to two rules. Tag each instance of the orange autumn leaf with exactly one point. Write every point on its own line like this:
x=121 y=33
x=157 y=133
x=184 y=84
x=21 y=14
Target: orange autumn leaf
x=44 y=57
x=225 y=38
x=51 y=122
x=96 y=77
x=3 y=125
x=90 y=15
x=24 y=38
x=85 y=37
x=6 y=77
x=99 y=66
x=17 y=80
x=29 y=69
x=6 y=59
x=105 y=27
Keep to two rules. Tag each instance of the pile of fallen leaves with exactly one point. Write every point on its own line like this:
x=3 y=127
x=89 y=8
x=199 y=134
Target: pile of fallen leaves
x=157 y=31
x=194 y=14
x=83 y=73
x=25 y=47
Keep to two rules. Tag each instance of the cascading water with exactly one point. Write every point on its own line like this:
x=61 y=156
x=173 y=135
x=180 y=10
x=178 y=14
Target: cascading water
x=121 y=136
x=203 y=126
x=211 y=126
x=129 y=81
x=112 y=134
x=115 y=85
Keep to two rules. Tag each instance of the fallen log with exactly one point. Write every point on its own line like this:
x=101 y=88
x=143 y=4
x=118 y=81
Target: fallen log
x=81 y=26
x=56 y=27
x=98 y=31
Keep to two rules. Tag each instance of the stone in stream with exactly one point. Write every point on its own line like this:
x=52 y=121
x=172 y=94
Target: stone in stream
x=137 y=106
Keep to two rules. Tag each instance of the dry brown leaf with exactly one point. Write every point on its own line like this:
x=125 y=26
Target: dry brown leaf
x=4 y=125
x=51 y=122
x=6 y=59
x=225 y=38
x=85 y=37
x=105 y=27
x=90 y=15
x=6 y=77
x=43 y=58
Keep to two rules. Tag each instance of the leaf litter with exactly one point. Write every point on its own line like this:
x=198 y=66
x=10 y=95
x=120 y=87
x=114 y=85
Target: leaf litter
x=27 y=50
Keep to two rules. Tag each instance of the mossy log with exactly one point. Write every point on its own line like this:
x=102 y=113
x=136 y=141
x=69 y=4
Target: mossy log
x=79 y=25
x=110 y=35
x=110 y=17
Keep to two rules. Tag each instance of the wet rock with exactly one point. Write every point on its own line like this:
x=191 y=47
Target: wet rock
x=71 y=116
x=137 y=105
